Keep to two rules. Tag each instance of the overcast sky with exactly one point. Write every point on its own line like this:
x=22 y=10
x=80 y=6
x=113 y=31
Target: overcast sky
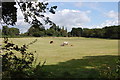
x=79 y=14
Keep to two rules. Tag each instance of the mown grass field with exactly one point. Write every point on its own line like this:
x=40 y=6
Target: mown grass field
x=80 y=60
x=54 y=53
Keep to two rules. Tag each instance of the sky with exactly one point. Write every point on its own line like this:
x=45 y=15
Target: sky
x=78 y=14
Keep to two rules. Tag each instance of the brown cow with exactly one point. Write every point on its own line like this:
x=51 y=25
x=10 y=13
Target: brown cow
x=51 y=42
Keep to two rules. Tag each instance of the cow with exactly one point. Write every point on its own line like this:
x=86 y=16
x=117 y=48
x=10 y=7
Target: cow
x=51 y=42
x=64 y=43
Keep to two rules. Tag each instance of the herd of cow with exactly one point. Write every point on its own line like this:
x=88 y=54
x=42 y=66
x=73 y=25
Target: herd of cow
x=63 y=44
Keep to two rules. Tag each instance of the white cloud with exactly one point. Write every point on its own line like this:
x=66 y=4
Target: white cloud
x=113 y=19
x=70 y=18
x=106 y=23
x=112 y=14
x=109 y=23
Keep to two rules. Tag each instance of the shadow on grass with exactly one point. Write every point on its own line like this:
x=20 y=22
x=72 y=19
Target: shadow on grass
x=80 y=68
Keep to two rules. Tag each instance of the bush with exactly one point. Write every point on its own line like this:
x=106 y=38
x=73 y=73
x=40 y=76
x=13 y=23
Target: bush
x=17 y=62
x=38 y=34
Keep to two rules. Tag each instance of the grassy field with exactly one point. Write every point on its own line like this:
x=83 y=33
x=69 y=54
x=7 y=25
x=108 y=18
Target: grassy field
x=84 y=59
x=54 y=53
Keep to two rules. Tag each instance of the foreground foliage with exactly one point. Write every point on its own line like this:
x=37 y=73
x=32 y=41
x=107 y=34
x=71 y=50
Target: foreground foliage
x=15 y=66
x=31 y=10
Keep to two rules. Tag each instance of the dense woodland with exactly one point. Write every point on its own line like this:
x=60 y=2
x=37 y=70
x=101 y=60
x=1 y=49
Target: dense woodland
x=57 y=31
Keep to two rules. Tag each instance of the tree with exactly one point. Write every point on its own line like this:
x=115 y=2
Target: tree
x=50 y=32
x=31 y=11
x=106 y=32
x=63 y=32
x=69 y=34
x=76 y=32
x=9 y=13
x=39 y=34
x=14 y=31
x=95 y=33
x=36 y=30
x=5 y=30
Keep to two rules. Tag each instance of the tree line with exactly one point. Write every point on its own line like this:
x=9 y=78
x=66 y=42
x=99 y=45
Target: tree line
x=56 y=31
x=10 y=32
x=105 y=32
x=35 y=31
x=40 y=31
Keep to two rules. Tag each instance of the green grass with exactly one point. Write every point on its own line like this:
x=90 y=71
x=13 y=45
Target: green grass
x=88 y=67
x=54 y=53
x=82 y=60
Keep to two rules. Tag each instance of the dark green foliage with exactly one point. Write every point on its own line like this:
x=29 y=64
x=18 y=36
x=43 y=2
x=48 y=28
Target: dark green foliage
x=33 y=10
x=9 y=13
x=86 y=32
x=56 y=31
x=38 y=34
x=14 y=31
x=106 y=32
x=6 y=31
x=76 y=32
x=39 y=31
x=17 y=61
x=50 y=32
x=36 y=30
x=111 y=32
x=69 y=34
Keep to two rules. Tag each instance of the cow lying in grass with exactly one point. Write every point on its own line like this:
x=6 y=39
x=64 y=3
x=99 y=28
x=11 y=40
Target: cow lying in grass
x=64 y=43
x=51 y=42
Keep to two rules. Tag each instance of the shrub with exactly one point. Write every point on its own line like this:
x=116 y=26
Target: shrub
x=17 y=61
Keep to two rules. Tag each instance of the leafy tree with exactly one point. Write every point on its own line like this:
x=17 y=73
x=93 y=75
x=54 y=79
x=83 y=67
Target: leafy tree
x=115 y=32
x=95 y=33
x=31 y=11
x=63 y=33
x=86 y=32
x=36 y=30
x=56 y=31
x=50 y=32
x=9 y=13
x=5 y=30
x=69 y=34
x=39 y=34
x=76 y=32
x=14 y=31
x=106 y=32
